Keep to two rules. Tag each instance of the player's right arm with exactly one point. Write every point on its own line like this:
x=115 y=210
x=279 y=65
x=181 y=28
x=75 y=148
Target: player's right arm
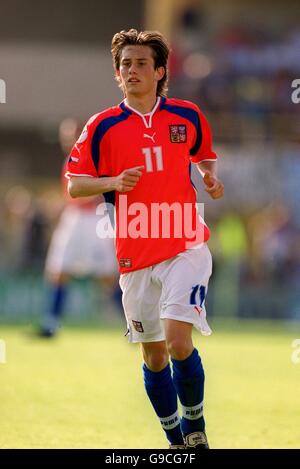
x=88 y=168
x=84 y=186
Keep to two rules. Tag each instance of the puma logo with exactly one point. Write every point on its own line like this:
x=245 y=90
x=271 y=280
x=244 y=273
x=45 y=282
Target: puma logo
x=150 y=136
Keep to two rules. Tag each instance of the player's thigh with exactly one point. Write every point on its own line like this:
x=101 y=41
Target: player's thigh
x=185 y=283
x=141 y=303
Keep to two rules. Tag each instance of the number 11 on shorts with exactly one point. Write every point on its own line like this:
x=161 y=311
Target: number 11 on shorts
x=195 y=290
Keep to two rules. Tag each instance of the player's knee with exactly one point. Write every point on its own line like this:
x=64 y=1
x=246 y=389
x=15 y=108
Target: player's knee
x=156 y=361
x=57 y=278
x=179 y=349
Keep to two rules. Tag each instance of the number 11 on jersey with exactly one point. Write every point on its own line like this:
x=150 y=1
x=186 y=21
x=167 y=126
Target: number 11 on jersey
x=153 y=154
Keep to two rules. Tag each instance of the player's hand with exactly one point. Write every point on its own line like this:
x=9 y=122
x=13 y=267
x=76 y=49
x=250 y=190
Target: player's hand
x=214 y=187
x=128 y=179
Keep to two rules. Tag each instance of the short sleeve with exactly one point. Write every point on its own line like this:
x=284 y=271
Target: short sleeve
x=80 y=161
x=202 y=147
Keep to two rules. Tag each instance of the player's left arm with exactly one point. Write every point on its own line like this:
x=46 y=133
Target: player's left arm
x=213 y=186
x=205 y=158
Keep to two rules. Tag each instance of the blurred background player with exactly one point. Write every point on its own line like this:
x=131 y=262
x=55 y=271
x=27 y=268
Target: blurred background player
x=75 y=250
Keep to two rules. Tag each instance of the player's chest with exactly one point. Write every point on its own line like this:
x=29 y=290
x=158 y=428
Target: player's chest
x=166 y=142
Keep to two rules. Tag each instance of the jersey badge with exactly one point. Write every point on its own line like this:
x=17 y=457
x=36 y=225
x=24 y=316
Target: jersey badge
x=138 y=326
x=125 y=263
x=177 y=133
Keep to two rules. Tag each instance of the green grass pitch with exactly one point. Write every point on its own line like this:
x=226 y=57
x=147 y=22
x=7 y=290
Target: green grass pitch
x=85 y=389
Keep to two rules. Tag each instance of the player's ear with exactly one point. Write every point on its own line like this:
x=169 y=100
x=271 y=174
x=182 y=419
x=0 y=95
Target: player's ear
x=118 y=76
x=160 y=73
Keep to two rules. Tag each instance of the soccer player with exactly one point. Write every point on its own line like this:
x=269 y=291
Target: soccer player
x=138 y=154
x=75 y=250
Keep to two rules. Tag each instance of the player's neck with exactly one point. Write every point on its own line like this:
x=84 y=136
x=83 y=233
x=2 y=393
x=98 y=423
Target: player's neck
x=143 y=104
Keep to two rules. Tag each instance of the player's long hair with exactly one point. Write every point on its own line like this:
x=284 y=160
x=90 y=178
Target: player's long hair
x=152 y=39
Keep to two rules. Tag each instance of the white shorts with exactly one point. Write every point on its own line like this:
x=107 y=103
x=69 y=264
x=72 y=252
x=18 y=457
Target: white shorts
x=76 y=249
x=173 y=289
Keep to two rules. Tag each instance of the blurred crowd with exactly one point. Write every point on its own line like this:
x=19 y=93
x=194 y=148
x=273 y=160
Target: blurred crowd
x=242 y=76
x=257 y=264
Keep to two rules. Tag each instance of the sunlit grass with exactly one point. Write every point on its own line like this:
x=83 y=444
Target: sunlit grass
x=84 y=389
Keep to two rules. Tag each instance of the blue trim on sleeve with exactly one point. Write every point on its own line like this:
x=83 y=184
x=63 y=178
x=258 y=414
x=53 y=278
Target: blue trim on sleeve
x=192 y=116
x=101 y=130
x=110 y=200
x=190 y=175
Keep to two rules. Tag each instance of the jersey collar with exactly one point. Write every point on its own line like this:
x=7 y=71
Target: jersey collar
x=147 y=118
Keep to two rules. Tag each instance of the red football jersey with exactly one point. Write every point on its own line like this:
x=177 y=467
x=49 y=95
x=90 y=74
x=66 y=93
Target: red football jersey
x=157 y=219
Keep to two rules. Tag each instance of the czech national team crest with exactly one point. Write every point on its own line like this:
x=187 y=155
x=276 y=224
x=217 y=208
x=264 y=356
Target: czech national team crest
x=138 y=326
x=125 y=263
x=178 y=133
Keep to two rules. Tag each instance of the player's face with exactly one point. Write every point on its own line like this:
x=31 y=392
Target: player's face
x=137 y=71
